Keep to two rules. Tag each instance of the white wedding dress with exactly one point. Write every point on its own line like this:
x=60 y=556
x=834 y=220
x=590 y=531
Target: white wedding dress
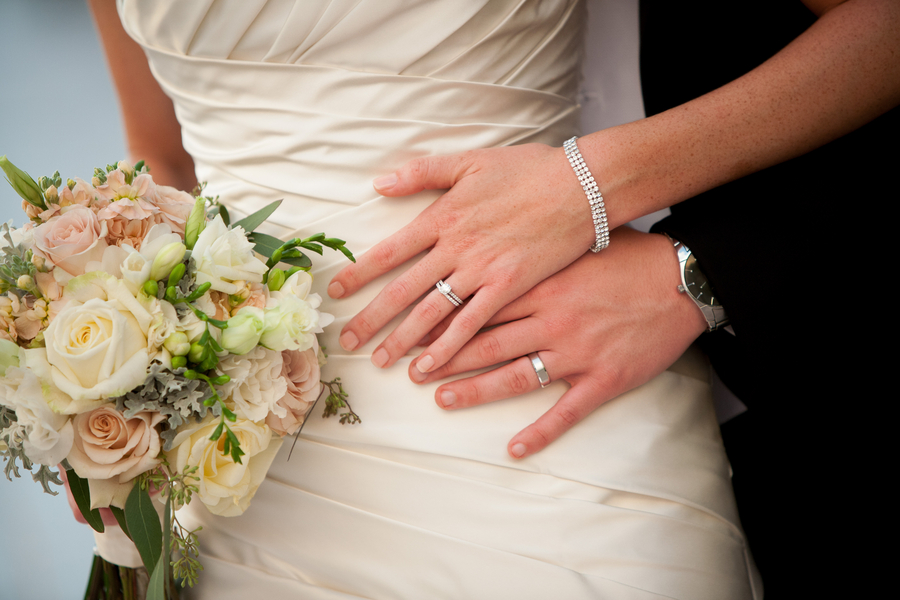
x=309 y=100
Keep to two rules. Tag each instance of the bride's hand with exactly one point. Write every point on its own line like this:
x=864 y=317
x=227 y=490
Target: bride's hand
x=606 y=324
x=511 y=218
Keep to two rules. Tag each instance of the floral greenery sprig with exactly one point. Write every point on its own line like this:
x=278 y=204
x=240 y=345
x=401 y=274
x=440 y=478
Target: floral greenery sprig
x=336 y=400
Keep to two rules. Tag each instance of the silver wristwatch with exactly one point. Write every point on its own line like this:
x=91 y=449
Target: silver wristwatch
x=697 y=286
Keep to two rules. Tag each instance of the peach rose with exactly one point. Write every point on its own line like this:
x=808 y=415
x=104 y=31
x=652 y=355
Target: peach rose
x=174 y=206
x=108 y=445
x=301 y=370
x=71 y=240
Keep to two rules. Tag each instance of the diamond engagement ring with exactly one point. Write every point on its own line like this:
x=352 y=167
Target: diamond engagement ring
x=444 y=288
x=538 y=365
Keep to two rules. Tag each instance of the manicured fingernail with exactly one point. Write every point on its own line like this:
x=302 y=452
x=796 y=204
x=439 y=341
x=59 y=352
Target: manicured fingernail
x=348 y=341
x=385 y=182
x=448 y=398
x=424 y=364
x=380 y=357
x=418 y=376
x=518 y=450
x=335 y=290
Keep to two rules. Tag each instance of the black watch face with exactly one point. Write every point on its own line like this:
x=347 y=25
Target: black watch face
x=697 y=283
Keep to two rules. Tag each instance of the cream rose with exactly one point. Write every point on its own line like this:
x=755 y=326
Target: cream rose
x=226 y=487
x=224 y=256
x=301 y=371
x=107 y=445
x=71 y=240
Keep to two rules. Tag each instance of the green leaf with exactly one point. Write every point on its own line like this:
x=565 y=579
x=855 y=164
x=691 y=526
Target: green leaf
x=156 y=589
x=265 y=244
x=119 y=514
x=143 y=525
x=82 y=494
x=301 y=261
x=251 y=222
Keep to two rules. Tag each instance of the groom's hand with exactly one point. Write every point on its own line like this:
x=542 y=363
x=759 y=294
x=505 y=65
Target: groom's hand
x=606 y=324
x=511 y=218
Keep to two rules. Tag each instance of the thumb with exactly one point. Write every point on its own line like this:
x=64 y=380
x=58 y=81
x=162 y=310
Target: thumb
x=428 y=173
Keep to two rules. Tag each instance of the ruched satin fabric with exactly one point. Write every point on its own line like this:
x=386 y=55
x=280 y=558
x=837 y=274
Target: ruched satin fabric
x=308 y=101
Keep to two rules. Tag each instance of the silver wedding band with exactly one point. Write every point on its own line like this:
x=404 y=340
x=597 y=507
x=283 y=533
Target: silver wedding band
x=444 y=288
x=539 y=369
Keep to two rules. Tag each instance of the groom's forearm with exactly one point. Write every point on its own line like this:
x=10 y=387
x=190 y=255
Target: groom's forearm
x=841 y=73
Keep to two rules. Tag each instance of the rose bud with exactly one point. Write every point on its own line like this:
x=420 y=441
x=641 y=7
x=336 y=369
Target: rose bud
x=243 y=331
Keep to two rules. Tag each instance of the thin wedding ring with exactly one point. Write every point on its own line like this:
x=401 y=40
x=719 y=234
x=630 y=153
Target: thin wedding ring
x=444 y=288
x=539 y=369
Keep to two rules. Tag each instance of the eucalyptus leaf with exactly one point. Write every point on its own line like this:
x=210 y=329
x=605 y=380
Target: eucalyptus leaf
x=144 y=527
x=156 y=589
x=251 y=222
x=119 y=514
x=82 y=494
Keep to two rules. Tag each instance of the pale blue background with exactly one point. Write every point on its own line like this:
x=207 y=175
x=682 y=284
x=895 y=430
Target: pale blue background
x=57 y=111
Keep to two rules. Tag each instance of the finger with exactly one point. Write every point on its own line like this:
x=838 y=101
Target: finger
x=427 y=173
x=575 y=405
x=487 y=349
x=508 y=381
x=390 y=302
x=387 y=255
x=433 y=309
x=438 y=329
x=462 y=328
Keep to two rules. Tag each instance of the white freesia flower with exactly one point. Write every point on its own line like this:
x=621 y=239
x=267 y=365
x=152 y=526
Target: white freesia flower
x=256 y=383
x=226 y=488
x=223 y=256
x=135 y=270
x=244 y=329
x=297 y=284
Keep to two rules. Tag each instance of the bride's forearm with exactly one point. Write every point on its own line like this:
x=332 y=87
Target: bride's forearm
x=841 y=73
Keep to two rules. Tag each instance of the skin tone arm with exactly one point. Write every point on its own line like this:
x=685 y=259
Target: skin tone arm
x=493 y=237
x=151 y=129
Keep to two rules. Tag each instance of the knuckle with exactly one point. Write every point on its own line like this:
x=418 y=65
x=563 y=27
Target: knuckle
x=384 y=257
x=398 y=292
x=364 y=326
x=568 y=416
x=517 y=382
x=467 y=321
x=489 y=349
x=428 y=312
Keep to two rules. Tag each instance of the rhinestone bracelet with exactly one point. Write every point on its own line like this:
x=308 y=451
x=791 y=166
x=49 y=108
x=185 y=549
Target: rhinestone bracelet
x=595 y=198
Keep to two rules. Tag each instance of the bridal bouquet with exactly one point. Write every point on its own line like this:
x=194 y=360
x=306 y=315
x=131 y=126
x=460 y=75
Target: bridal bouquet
x=153 y=348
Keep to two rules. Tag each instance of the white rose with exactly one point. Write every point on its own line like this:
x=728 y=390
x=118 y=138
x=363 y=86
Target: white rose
x=223 y=256
x=256 y=383
x=226 y=488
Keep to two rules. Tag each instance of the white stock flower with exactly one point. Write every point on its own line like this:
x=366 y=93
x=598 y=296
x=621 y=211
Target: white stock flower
x=46 y=435
x=256 y=383
x=226 y=487
x=223 y=256
x=292 y=323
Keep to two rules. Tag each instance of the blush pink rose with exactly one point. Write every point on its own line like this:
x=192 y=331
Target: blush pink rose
x=301 y=370
x=174 y=206
x=108 y=445
x=71 y=240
